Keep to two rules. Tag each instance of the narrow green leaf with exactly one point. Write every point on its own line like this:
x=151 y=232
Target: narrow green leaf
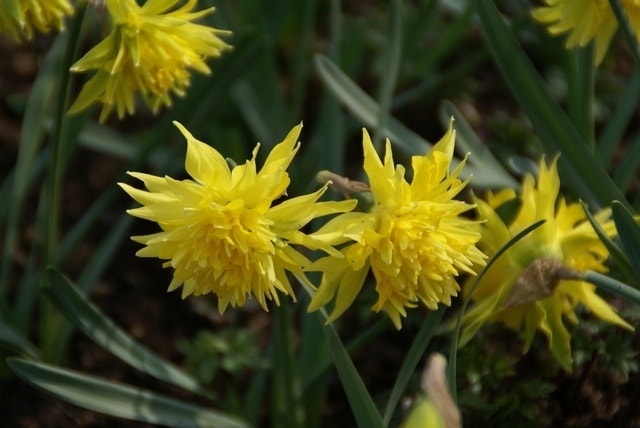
x=389 y=76
x=362 y=406
x=97 y=326
x=363 y=107
x=617 y=255
x=31 y=138
x=627 y=168
x=15 y=342
x=581 y=78
x=286 y=400
x=617 y=124
x=411 y=361
x=367 y=110
x=629 y=235
x=610 y=285
x=628 y=33
x=582 y=171
x=119 y=400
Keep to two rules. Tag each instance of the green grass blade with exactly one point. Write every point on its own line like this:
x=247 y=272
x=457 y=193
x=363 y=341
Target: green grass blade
x=286 y=400
x=628 y=33
x=582 y=171
x=411 y=361
x=31 y=137
x=119 y=400
x=389 y=76
x=617 y=255
x=99 y=328
x=617 y=124
x=363 y=107
x=14 y=342
x=362 y=406
x=627 y=169
x=581 y=78
x=629 y=235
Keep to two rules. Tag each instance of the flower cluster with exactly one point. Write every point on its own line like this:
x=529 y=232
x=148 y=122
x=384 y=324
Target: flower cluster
x=226 y=232
x=150 y=50
x=223 y=234
x=586 y=21
x=19 y=18
x=566 y=236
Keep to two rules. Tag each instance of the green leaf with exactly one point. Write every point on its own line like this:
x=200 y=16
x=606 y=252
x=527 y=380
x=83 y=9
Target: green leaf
x=286 y=400
x=629 y=235
x=14 y=342
x=617 y=124
x=362 y=406
x=411 y=361
x=97 y=326
x=628 y=32
x=119 y=400
x=617 y=255
x=582 y=171
x=31 y=138
x=363 y=107
x=389 y=74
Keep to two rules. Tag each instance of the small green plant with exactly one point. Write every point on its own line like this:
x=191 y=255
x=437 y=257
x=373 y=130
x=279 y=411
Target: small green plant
x=231 y=350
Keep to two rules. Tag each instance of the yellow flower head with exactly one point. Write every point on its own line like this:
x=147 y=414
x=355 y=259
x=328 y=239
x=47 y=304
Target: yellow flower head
x=586 y=20
x=413 y=239
x=19 y=18
x=566 y=236
x=220 y=231
x=150 y=50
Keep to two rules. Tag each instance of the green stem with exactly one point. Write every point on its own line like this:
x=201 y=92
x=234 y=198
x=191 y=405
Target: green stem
x=59 y=144
x=58 y=154
x=611 y=285
x=286 y=402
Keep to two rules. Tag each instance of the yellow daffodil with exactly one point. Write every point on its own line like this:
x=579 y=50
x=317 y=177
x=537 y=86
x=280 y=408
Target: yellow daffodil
x=413 y=238
x=221 y=232
x=150 y=50
x=566 y=237
x=19 y=18
x=586 y=20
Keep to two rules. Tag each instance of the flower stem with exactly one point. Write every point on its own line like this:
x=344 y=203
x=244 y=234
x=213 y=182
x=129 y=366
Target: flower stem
x=58 y=154
x=59 y=144
x=611 y=285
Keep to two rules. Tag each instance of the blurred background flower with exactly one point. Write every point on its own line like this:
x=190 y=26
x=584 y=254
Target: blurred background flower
x=150 y=50
x=20 y=18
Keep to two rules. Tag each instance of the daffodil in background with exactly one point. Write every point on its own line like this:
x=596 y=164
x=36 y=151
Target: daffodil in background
x=586 y=21
x=565 y=237
x=413 y=239
x=19 y=19
x=150 y=50
x=221 y=232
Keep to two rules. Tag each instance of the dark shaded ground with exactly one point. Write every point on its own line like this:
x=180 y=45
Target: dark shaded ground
x=133 y=294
